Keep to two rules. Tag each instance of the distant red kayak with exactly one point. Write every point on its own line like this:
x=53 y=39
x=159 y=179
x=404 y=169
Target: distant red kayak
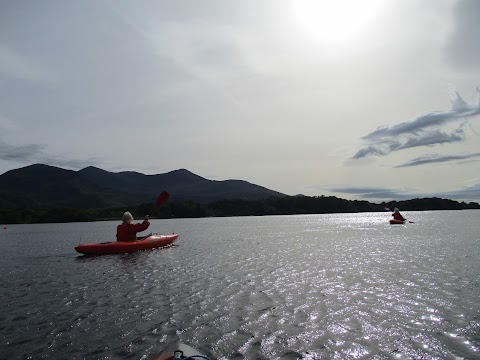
x=152 y=241
x=394 y=222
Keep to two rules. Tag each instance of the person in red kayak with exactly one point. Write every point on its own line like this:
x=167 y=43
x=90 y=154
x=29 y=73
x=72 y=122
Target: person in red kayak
x=397 y=216
x=128 y=231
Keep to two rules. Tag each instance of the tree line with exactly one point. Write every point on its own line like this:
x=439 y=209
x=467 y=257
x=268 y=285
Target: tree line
x=287 y=205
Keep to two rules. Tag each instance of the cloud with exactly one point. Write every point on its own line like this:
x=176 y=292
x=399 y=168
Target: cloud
x=373 y=192
x=425 y=130
x=433 y=138
x=34 y=153
x=435 y=158
x=470 y=193
x=20 y=153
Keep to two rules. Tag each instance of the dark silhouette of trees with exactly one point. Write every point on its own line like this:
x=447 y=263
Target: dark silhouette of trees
x=284 y=205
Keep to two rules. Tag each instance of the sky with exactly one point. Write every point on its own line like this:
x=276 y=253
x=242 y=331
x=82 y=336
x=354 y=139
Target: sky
x=373 y=100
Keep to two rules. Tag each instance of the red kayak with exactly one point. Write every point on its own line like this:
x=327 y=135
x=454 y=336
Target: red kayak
x=152 y=241
x=393 y=221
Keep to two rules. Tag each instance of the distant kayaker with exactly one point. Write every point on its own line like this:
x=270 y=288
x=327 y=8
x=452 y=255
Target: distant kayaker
x=397 y=216
x=128 y=231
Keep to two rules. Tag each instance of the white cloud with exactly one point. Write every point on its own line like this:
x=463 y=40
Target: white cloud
x=436 y=158
x=425 y=130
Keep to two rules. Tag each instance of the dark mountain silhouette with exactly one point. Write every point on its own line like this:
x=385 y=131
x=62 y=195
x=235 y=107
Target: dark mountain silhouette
x=44 y=186
x=44 y=194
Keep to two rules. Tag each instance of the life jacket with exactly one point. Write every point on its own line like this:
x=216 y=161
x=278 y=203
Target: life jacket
x=127 y=232
x=398 y=216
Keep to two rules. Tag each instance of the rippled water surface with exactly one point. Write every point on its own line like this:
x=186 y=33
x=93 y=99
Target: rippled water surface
x=338 y=286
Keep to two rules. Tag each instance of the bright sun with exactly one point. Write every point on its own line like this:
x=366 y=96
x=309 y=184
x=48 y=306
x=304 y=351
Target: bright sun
x=334 y=21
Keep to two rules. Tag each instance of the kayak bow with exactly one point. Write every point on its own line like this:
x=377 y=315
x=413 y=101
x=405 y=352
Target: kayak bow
x=179 y=351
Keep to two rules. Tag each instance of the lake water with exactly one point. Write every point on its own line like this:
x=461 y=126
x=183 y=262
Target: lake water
x=333 y=286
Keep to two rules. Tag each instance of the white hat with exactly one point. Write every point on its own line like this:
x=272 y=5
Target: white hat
x=127 y=217
x=396 y=210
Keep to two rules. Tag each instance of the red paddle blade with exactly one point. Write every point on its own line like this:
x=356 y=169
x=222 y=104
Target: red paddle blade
x=162 y=198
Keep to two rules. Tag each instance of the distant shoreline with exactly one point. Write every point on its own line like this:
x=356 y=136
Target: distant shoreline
x=287 y=205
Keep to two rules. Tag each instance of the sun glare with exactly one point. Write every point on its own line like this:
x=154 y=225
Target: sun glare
x=334 y=21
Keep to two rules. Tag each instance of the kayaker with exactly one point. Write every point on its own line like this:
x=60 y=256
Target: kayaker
x=397 y=216
x=128 y=231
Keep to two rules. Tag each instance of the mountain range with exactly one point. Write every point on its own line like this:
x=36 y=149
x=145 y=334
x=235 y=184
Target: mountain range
x=44 y=186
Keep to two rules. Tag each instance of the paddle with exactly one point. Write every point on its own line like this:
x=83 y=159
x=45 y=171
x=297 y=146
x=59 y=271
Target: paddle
x=159 y=201
x=162 y=198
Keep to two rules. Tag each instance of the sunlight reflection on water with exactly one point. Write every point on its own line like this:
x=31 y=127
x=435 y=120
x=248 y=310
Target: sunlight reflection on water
x=318 y=286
